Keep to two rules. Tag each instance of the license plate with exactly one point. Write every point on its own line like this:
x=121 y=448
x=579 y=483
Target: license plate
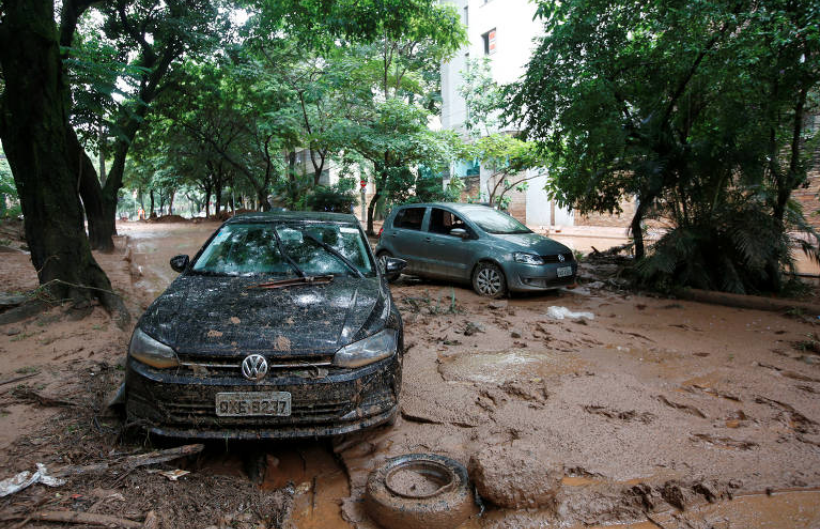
x=276 y=403
x=565 y=271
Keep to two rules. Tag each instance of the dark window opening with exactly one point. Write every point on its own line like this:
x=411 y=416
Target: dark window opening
x=489 y=42
x=409 y=219
x=442 y=221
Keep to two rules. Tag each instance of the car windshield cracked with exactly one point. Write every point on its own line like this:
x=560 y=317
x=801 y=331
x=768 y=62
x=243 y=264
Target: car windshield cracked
x=229 y=350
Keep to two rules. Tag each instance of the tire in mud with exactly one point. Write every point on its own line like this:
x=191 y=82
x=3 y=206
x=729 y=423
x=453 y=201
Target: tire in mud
x=391 y=278
x=445 y=508
x=489 y=280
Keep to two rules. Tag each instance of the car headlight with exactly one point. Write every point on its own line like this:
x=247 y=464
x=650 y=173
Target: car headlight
x=151 y=352
x=372 y=349
x=528 y=258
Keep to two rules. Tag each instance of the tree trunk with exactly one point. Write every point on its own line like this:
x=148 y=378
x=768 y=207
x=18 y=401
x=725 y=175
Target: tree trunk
x=33 y=121
x=171 y=202
x=637 y=230
x=89 y=190
x=151 y=215
x=381 y=183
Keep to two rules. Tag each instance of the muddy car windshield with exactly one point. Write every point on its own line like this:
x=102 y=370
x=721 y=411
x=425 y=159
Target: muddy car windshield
x=252 y=249
x=492 y=221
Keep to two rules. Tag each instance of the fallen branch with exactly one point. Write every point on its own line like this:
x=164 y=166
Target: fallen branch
x=16 y=379
x=131 y=462
x=161 y=456
x=744 y=301
x=27 y=393
x=74 y=517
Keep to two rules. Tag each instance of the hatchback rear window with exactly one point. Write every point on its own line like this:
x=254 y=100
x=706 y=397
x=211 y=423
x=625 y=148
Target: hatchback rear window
x=409 y=218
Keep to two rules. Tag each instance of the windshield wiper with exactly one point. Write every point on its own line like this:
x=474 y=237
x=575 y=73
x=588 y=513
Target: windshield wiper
x=303 y=280
x=335 y=253
x=287 y=257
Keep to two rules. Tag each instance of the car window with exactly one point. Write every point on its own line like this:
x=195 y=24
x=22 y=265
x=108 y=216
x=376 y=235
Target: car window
x=442 y=221
x=409 y=218
x=493 y=221
x=251 y=249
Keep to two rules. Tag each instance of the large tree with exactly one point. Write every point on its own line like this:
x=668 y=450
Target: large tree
x=696 y=109
x=33 y=121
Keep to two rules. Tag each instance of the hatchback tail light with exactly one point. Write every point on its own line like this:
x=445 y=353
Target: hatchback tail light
x=381 y=230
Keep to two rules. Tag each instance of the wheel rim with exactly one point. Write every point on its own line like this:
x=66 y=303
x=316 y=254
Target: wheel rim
x=383 y=263
x=488 y=281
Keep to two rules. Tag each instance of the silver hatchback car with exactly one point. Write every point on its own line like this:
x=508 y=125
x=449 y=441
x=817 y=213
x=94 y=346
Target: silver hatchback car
x=476 y=244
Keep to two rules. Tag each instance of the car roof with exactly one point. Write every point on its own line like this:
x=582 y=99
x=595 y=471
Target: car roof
x=294 y=216
x=457 y=206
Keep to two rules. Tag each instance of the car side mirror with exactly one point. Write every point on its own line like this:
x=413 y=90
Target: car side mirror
x=459 y=232
x=393 y=265
x=179 y=263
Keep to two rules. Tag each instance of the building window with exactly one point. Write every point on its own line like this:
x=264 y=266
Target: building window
x=466 y=17
x=489 y=42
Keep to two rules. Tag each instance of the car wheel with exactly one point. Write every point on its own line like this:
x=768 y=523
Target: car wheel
x=390 y=277
x=489 y=280
x=394 y=502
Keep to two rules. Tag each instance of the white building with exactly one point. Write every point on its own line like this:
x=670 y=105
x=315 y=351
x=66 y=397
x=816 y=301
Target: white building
x=504 y=31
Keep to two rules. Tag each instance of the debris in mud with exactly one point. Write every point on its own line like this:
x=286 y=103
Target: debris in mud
x=561 y=313
x=473 y=328
x=516 y=477
x=686 y=408
x=500 y=304
x=723 y=442
x=26 y=479
x=214 y=334
x=630 y=415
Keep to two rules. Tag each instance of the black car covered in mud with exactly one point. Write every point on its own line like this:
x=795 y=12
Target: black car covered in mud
x=282 y=326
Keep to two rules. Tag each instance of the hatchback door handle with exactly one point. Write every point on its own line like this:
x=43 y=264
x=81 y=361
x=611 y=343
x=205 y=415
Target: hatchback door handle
x=428 y=239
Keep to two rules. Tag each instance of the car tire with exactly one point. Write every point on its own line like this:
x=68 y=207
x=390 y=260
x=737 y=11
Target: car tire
x=489 y=280
x=390 y=277
x=448 y=507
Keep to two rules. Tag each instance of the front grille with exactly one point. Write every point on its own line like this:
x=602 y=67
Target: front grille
x=231 y=365
x=549 y=259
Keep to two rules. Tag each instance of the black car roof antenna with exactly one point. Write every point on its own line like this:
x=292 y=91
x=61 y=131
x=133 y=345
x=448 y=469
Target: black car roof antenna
x=287 y=257
x=331 y=250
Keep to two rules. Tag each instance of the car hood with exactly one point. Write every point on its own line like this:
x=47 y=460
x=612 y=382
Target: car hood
x=533 y=243
x=201 y=314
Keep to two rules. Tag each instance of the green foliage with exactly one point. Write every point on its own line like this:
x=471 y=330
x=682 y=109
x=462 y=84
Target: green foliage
x=339 y=198
x=696 y=109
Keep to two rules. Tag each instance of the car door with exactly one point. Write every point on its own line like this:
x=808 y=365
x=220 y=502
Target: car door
x=406 y=237
x=449 y=255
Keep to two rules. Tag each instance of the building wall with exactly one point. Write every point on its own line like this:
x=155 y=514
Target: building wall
x=514 y=42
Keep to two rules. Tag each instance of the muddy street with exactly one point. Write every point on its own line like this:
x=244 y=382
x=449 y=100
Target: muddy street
x=653 y=412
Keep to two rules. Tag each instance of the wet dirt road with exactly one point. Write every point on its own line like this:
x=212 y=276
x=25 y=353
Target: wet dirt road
x=655 y=408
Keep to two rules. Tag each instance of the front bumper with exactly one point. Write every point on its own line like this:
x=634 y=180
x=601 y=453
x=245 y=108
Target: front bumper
x=525 y=277
x=173 y=403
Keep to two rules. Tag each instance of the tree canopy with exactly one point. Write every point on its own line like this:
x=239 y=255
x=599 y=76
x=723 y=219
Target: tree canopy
x=695 y=109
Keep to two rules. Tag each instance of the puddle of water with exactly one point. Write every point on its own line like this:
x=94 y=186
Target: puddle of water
x=320 y=485
x=512 y=365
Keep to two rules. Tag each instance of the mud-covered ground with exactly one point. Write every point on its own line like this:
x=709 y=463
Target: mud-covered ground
x=656 y=412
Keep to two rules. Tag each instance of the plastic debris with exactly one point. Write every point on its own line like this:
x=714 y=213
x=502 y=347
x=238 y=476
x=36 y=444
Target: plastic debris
x=174 y=475
x=560 y=313
x=26 y=479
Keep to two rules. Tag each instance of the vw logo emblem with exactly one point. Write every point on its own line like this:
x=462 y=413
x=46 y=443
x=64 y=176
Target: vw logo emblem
x=254 y=367
x=561 y=258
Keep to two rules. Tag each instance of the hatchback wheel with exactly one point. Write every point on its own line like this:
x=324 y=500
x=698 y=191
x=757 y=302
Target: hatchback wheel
x=382 y=258
x=489 y=280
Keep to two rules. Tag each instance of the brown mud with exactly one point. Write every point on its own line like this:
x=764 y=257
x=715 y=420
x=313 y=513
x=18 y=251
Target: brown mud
x=656 y=413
